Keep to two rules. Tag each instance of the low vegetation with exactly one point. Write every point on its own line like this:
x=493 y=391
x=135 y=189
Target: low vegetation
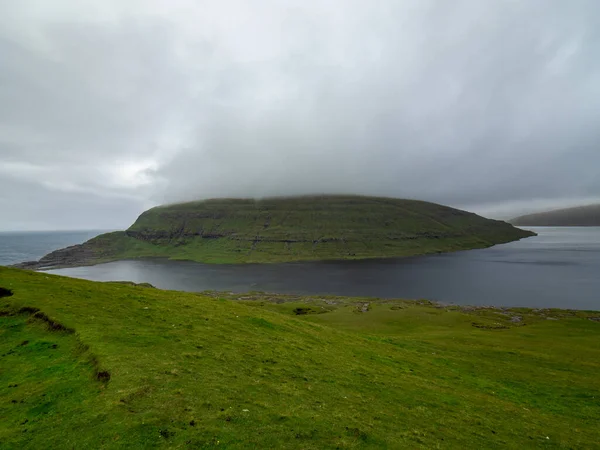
x=113 y=365
x=290 y=229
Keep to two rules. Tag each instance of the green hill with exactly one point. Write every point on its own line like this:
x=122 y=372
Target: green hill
x=290 y=229
x=581 y=216
x=107 y=365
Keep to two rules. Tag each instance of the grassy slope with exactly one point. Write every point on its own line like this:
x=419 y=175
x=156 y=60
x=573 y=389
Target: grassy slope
x=197 y=371
x=301 y=228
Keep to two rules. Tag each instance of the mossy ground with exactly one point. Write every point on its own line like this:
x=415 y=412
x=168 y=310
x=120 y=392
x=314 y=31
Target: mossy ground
x=185 y=370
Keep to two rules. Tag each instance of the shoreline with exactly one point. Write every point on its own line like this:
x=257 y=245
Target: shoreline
x=67 y=254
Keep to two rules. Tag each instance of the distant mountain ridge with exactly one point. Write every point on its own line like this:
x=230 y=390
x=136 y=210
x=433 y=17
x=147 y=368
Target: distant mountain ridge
x=326 y=227
x=580 y=216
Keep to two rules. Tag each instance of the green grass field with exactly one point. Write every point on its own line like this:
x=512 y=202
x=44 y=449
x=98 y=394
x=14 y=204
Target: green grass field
x=112 y=365
x=291 y=229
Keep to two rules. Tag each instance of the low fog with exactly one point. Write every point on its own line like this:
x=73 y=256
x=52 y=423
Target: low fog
x=108 y=108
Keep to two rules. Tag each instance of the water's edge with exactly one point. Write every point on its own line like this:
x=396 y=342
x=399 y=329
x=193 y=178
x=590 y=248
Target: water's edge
x=556 y=269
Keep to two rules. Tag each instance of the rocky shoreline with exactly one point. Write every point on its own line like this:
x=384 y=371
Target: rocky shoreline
x=75 y=255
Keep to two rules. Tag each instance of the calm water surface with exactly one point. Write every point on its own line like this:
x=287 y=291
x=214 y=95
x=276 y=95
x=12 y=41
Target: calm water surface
x=558 y=268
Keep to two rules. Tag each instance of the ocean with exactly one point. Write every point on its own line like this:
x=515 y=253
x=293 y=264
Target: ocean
x=16 y=247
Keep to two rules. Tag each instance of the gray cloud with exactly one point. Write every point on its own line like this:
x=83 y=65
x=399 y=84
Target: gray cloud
x=108 y=108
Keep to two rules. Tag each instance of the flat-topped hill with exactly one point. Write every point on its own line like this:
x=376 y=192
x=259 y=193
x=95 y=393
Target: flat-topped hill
x=581 y=216
x=291 y=229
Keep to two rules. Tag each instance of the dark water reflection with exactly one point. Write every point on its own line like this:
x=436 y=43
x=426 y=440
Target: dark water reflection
x=558 y=268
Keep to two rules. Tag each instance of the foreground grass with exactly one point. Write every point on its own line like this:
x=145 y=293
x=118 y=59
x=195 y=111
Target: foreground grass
x=107 y=365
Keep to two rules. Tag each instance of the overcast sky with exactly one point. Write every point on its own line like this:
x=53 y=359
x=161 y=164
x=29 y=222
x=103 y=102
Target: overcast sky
x=110 y=107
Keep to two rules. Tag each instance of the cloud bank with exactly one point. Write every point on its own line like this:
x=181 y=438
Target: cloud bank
x=107 y=108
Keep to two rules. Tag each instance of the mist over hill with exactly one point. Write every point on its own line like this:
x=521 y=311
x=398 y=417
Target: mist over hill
x=581 y=216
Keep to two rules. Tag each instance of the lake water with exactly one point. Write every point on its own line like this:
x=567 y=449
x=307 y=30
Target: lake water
x=559 y=268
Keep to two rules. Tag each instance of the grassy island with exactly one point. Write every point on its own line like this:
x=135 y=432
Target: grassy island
x=290 y=229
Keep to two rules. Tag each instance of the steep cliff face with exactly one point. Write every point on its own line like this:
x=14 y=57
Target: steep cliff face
x=582 y=216
x=311 y=219
x=293 y=229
